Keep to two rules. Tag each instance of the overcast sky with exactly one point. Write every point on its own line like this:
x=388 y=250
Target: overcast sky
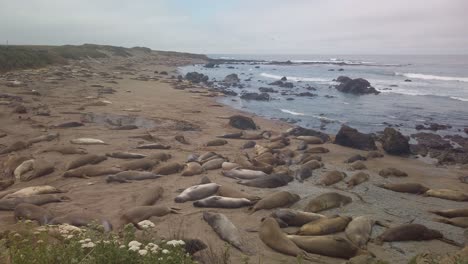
x=244 y=26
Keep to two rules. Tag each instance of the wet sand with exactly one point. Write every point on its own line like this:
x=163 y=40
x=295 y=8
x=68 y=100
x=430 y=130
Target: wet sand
x=165 y=112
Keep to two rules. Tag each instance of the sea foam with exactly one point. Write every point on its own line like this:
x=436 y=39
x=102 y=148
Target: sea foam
x=291 y=112
x=432 y=77
x=294 y=79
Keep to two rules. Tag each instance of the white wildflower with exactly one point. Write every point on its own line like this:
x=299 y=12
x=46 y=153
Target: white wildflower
x=88 y=245
x=143 y=252
x=165 y=251
x=134 y=248
x=40 y=241
x=175 y=243
x=145 y=224
x=70 y=236
x=134 y=243
x=81 y=241
x=106 y=242
x=122 y=246
x=87 y=240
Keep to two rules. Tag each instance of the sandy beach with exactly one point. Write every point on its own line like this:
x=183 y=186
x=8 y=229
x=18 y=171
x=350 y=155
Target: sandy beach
x=150 y=101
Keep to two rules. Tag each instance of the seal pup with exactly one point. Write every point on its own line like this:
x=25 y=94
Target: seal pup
x=216 y=142
x=222 y=202
x=91 y=170
x=332 y=177
x=16 y=146
x=325 y=226
x=275 y=200
x=140 y=213
x=24 y=211
x=150 y=196
x=313 y=164
x=408 y=187
x=139 y=164
x=270 y=181
x=303 y=173
x=193 y=157
x=235 y=135
x=192 y=168
x=455 y=221
x=225 y=229
x=359 y=231
x=392 y=172
x=128 y=176
x=181 y=139
x=357 y=179
x=87 y=141
x=317 y=150
x=447 y=194
x=310 y=140
x=327 y=201
x=23 y=168
x=249 y=144
x=153 y=146
x=12 y=162
x=85 y=160
x=10 y=204
x=227 y=191
x=168 y=168
x=48 y=137
x=34 y=190
x=408 y=232
x=68 y=124
x=213 y=164
x=331 y=246
x=125 y=155
x=354 y=158
x=358 y=165
x=291 y=217
x=40 y=169
x=80 y=219
x=229 y=166
x=197 y=192
x=272 y=235
x=450 y=213
x=244 y=174
x=65 y=150
x=374 y=155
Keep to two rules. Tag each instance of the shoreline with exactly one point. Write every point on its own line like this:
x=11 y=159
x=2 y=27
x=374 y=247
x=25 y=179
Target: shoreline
x=172 y=108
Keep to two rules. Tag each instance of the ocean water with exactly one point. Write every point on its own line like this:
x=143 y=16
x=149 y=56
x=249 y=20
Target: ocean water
x=437 y=93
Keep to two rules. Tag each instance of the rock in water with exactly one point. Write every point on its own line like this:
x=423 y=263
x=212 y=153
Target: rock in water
x=393 y=142
x=242 y=122
x=232 y=79
x=350 y=137
x=357 y=86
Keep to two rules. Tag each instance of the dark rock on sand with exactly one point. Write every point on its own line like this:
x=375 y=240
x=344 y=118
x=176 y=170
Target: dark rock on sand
x=256 y=96
x=242 y=122
x=196 y=77
x=231 y=79
x=350 y=137
x=393 y=142
x=357 y=86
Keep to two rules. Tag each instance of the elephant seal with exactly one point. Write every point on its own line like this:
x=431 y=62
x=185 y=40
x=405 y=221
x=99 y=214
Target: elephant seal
x=48 y=137
x=244 y=174
x=80 y=219
x=192 y=168
x=213 y=164
x=225 y=229
x=354 y=158
x=313 y=164
x=358 y=165
x=222 y=202
x=232 y=135
x=125 y=155
x=272 y=235
x=392 y=172
x=327 y=201
x=229 y=166
x=16 y=146
x=23 y=168
x=408 y=187
x=150 y=196
x=85 y=160
x=91 y=170
x=68 y=124
x=456 y=221
x=408 y=232
x=310 y=140
x=357 y=179
x=12 y=162
x=87 y=141
x=449 y=213
x=330 y=246
x=40 y=169
x=302 y=146
x=303 y=173
x=249 y=144
x=290 y=217
x=140 y=213
x=374 y=155
x=169 y=168
x=447 y=194
x=24 y=211
x=139 y=164
x=10 y=204
x=193 y=157
x=325 y=226
x=304 y=158
x=332 y=177
x=270 y=181
x=34 y=190
x=359 y=231
x=226 y=191
x=160 y=156
x=317 y=150
x=65 y=150
x=197 y=192
x=216 y=142
x=153 y=146
x=206 y=156
x=181 y=139
x=127 y=176
x=275 y=200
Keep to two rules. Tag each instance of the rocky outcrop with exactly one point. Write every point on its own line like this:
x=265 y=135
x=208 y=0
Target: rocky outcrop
x=300 y=131
x=350 y=137
x=393 y=142
x=357 y=86
x=210 y=65
x=231 y=79
x=306 y=94
x=440 y=148
x=256 y=96
x=282 y=84
x=242 y=122
x=433 y=127
x=267 y=90
x=196 y=77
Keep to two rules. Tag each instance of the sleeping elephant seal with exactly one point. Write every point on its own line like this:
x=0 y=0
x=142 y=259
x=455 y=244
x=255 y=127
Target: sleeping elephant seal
x=65 y=150
x=82 y=219
x=357 y=179
x=150 y=196
x=332 y=177
x=272 y=235
x=125 y=155
x=26 y=211
x=325 y=226
x=192 y=168
x=40 y=169
x=128 y=176
x=327 y=201
x=409 y=187
x=197 y=192
x=275 y=200
x=359 y=231
x=140 y=213
x=222 y=202
x=91 y=170
x=216 y=142
x=244 y=174
x=225 y=229
x=270 y=181
x=85 y=160
x=331 y=246
x=290 y=217
x=408 y=232
x=213 y=164
x=447 y=194
x=139 y=164
x=227 y=191
x=449 y=213
x=34 y=190
x=11 y=203
x=456 y=221
x=169 y=168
